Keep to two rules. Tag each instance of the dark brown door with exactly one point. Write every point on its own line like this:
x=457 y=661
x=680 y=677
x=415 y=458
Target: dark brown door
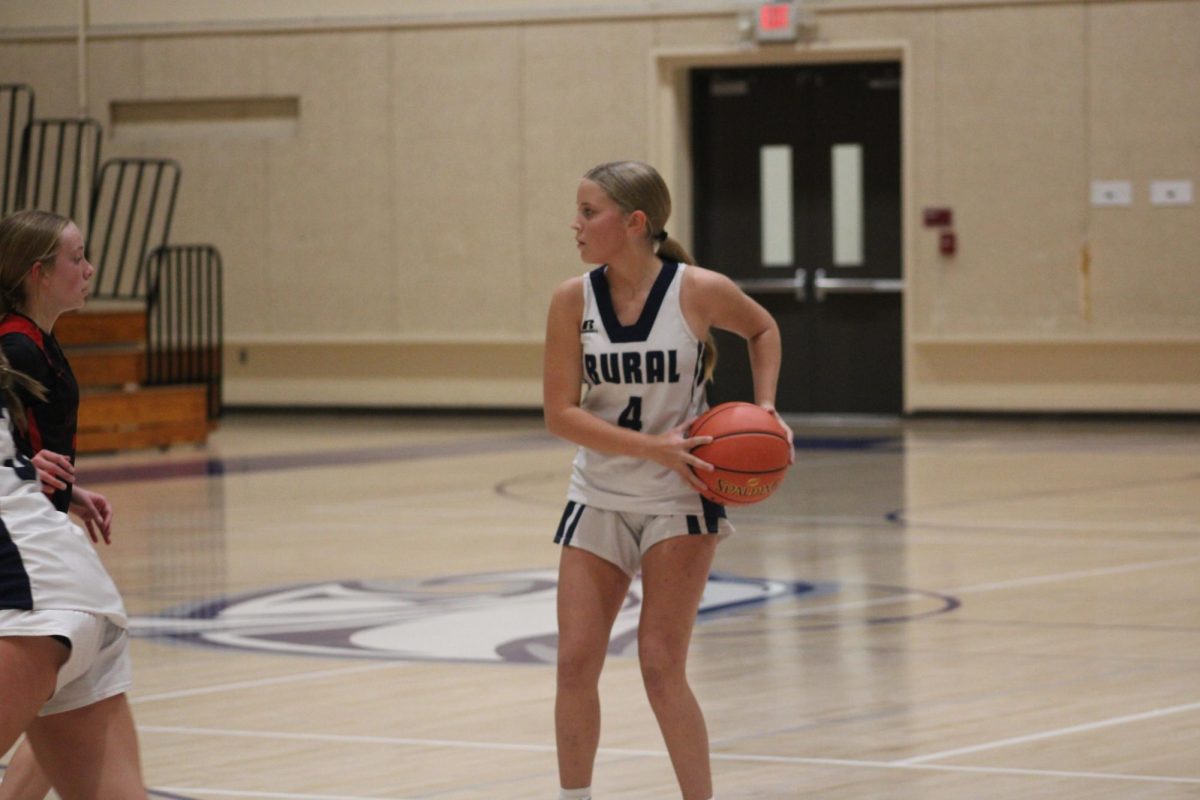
x=797 y=184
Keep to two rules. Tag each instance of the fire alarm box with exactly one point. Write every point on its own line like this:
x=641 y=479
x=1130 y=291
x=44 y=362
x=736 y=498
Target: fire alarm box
x=947 y=243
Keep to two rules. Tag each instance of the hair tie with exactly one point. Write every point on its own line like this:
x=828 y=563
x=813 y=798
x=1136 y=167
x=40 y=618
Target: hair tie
x=661 y=236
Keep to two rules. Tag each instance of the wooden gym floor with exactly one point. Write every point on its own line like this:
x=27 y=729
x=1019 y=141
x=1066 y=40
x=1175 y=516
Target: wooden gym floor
x=362 y=607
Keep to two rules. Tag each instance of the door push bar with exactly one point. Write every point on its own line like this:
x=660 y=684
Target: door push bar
x=824 y=285
x=793 y=286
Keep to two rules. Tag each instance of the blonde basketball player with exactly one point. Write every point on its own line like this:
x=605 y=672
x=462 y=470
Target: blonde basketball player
x=634 y=333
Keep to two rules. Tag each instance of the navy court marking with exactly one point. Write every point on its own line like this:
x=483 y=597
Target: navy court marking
x=216 y=467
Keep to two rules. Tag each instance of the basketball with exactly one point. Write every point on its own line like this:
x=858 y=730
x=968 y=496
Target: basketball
x=749 y=453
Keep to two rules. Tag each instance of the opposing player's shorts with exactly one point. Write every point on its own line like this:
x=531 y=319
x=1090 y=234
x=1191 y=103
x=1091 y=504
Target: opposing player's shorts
x=623 y=538
x=98 y=667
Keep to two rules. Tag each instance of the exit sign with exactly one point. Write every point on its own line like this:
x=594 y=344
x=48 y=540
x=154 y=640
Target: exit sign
x=776 y=22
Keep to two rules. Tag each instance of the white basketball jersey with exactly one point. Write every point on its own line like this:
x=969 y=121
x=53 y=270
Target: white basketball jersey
x=648 y=376
x=46 y=560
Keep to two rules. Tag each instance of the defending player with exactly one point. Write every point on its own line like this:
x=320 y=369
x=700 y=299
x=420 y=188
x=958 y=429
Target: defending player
x=44 y=273
x=64 y=649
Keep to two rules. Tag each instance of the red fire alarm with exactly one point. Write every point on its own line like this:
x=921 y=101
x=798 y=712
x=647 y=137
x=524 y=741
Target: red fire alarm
x=938 y=217
x=947 y=243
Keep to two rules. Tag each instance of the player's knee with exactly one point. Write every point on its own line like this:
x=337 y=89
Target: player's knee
x=662 y=666
x=578 y=669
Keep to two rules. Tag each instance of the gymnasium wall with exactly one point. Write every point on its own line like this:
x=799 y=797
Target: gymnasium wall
x=391 y=186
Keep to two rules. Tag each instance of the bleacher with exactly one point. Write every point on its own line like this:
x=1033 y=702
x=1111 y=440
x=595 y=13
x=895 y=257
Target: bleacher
x=147 y=350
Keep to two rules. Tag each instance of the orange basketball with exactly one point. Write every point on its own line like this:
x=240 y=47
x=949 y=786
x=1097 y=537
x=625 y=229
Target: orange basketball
x=749 y=451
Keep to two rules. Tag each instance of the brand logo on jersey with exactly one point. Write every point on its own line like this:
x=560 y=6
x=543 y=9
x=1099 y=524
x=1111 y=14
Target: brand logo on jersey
x=652 y=366
x=588 y=326
x=492 y=617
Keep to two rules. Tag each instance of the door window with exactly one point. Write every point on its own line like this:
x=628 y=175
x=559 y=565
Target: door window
x=776 y=202
x=847 y=161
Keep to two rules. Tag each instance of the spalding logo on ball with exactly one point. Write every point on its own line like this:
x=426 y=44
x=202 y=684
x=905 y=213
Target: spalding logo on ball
x=749 y=452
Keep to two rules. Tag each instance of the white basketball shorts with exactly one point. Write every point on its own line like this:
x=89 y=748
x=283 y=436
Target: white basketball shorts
x=623 y=538
x=99 y=665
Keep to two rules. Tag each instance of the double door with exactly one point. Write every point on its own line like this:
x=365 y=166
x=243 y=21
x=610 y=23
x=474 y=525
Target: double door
x=798 y=188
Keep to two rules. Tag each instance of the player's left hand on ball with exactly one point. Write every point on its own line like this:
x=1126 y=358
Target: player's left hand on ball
x=791 y=437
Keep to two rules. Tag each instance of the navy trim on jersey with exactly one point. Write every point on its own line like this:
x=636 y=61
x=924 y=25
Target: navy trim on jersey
x=640 y=330
x=569 y=522
x=15 y=590
x=22 y=466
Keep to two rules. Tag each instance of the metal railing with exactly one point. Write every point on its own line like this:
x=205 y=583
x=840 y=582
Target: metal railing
x=59 y=160
x=132 y=207
x=16 y=111
x=184 y=332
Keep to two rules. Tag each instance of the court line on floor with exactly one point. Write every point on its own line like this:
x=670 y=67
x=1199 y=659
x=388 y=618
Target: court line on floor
x=1027 y=533
x=909 y=516
x=1039 y=526
x=259 y=682
x=215 y=466
x=993 y=586
x=1034 y=580
x=218 y=466
x=625 y=752
x=1037 y=737
x=278 y=795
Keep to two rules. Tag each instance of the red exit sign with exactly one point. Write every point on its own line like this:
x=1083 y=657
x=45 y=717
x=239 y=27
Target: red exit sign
x=776 y=22
x=775 y=16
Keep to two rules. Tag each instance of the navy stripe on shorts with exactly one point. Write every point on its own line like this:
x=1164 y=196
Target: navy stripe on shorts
x=569 y=522
x=713 y=514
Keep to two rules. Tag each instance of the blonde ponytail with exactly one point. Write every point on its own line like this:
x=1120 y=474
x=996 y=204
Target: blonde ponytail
x=637 y=186
x=674 y=251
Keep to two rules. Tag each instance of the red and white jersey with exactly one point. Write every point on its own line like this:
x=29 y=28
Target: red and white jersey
x=648 y=376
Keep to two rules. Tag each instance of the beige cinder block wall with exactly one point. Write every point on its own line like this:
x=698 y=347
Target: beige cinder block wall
x=393 y=239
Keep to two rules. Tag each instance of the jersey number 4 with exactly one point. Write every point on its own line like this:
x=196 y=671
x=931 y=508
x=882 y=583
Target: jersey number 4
x=631 y=417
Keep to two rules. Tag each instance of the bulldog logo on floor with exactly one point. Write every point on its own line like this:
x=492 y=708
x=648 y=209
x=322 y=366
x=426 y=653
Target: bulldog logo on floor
x=492 y=617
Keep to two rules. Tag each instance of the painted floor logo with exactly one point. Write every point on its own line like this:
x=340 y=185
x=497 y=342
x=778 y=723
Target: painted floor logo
x=493 y=617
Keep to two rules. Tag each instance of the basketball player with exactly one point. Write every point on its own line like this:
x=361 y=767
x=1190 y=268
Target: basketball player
x=64 y=650
x=43 y=274
x=634 y=332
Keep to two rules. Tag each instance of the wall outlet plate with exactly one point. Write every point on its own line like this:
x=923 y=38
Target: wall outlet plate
x=1171 y=193
x=1112 y=193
